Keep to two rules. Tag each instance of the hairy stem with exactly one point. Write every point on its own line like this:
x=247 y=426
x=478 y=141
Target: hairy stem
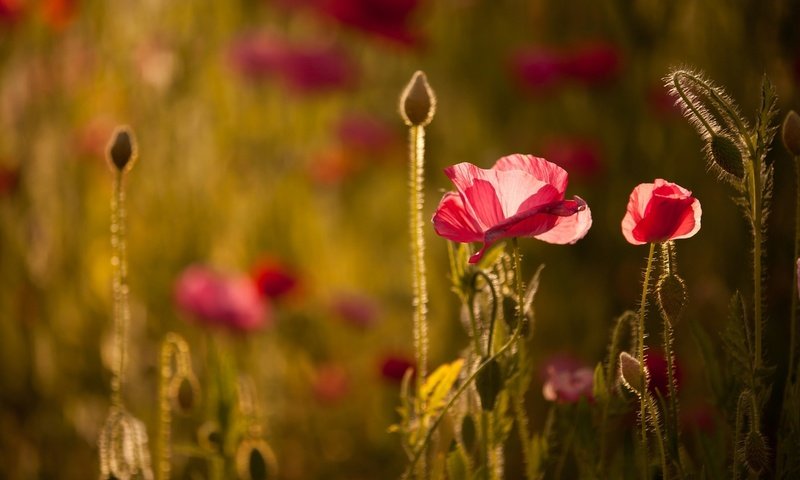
x=753 y=172
x=640 y=355
x=790 y=374
x=651 y=405
x=420 y=292
x=121 y=310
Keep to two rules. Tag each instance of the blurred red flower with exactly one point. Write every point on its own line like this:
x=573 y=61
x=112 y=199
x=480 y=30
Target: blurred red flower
x=656 y=364
x=57 y=14
x=537 y=69
x=567 y=380
x=304 y=68
x=660 y=211
x=274 y=279
x=9 y=179
x=365 y=134
x=394 y=367
x=520 y=196
x=331 y=383
x=580 y=156
x=11 y=11
x=592 y=63
x=355 y=310
x=217 y=300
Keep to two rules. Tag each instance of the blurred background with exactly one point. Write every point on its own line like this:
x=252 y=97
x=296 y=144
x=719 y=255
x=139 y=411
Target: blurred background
x=272 y=161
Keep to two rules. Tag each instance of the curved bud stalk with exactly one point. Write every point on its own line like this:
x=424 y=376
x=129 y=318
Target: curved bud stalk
x=179 y=390
x=255 y=459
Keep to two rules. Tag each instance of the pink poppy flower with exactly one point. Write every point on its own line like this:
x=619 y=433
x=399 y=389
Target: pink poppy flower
x=394 y=367
x=593 y=63
x=520 y=196
x=567 y=380
x=660 y=211
x=225 y=301
x=274 y=279
x=536 y=69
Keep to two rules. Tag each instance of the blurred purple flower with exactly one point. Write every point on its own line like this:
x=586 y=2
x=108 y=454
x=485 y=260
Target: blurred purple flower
x=331 y=383
x=536 y=69
x=356 y=310
x=274 y=279
x=394 y=366
x=217 y=300
x=579 y=156
x=304 y=68
x=656 y=364
x=593 y=62
x=567 y=380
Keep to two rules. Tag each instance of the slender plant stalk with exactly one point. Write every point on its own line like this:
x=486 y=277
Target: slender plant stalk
x=562 y=457
x=753 y=172
x=667 y=259
x=521 y=417
x=651 y=405
x=121 y=309
x=640 y=356
x=174 y=351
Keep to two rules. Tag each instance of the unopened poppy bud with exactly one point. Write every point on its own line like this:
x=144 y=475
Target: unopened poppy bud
x=468 y=432
x=630 y=372
x=726 y=154
x=255 y=460
x=756 y=453
x=671 y=297
x=184 y=391
x=489 y=382
x=417 y=102
x=122 y=149
x=790 y=133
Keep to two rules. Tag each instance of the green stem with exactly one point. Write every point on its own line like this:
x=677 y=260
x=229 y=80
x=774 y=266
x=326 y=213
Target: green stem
x=522 y=428
x=493 y=293
x=753 y=171
x=640 y=355
x=690 y=104
x=518 y=282
x=562 y=457
x=121 y=310
x=420 y=293
x=461 y=389
x=651 y=405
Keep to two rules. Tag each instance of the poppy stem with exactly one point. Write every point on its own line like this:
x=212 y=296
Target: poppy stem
x=420 y=293
x=790 y=375
x=640 y=356
x=754 y=174
x=121 y=310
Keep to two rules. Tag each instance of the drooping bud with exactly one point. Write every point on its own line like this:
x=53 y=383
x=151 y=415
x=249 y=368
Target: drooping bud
x=184 y=392
x=630 y=372
x=489 y=383
x=121 y=150
x=726 y=154
x=468 y=433
x=790 y=133
x=123 y=447
x=671 y=297
x=255 y=460
x=756 y=452
x=417 y=102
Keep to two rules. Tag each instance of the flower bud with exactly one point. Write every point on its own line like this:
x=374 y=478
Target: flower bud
x=255 y=460
x=630 y=371
x=726 y=154
x=184 y=391
x=121 y=149
x=417 y=102
x=123 y=447
x=671 y=297
x=489 y=383
x=756 y=453
x=790 y=133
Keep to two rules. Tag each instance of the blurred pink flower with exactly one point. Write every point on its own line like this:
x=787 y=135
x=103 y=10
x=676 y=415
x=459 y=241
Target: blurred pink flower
x=660 y=211
x=305 y=68
x=331 y=383
x=365 y=134
x=567 y=380
x=355 y=310
x=216 y=300
x=593 y=62
x=656 y=364
x=394 y=367
x=274 y=279
x=580 y=156
x=11 y=11
x=520 y=196
x=536 y=69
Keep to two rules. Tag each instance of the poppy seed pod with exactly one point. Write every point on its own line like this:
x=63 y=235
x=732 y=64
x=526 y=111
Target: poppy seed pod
x=122 y=150
x=417 y=102
x=790 y=133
